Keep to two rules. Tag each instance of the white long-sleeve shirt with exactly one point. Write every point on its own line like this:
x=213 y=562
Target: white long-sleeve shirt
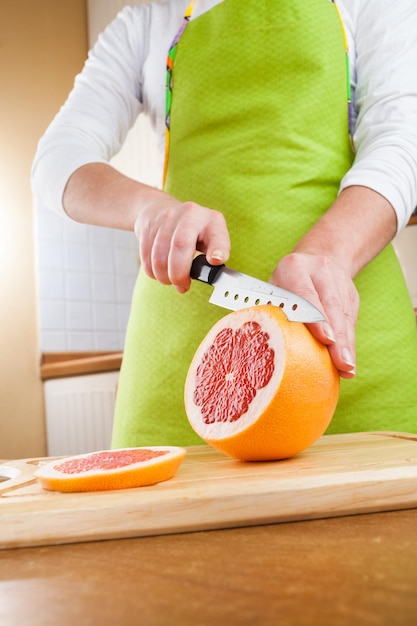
x=124 y=75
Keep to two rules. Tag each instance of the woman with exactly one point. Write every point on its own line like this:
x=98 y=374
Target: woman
x=279 y=159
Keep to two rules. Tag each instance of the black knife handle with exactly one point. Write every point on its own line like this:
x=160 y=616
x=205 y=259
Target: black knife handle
x=202 y=270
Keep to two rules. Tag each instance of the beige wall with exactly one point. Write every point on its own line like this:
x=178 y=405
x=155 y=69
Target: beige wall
x=43 y=44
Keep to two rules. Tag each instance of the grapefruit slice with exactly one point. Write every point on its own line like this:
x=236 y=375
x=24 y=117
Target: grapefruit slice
x=111 y=469
x=260 y=387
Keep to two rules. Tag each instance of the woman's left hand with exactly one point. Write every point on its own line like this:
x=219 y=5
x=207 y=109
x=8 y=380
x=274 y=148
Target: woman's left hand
x=322 y=281
x=321 y=268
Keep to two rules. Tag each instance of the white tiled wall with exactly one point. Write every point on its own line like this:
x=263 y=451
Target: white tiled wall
x=86 y=276
x=406 y=247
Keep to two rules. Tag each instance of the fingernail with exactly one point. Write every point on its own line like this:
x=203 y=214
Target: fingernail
x=348 y=358
x=218 y=255
x=328 y=331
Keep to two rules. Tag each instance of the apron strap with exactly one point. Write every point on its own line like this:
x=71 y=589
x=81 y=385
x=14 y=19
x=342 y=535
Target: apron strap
x=168 y=81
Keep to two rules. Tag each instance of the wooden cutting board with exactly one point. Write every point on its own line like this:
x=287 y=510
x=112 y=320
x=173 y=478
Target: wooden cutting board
x=339 y=475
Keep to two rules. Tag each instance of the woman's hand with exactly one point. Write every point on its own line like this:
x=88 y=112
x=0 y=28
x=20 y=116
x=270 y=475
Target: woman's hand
x=324 y=283
x=358 y=225
x=169 y=233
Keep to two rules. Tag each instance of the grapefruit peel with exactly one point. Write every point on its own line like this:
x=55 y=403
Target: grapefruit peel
x=104 y=470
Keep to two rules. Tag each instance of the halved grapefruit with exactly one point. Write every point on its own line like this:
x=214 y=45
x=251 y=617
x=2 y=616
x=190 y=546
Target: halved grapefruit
x=111 y=469
x=260 y=387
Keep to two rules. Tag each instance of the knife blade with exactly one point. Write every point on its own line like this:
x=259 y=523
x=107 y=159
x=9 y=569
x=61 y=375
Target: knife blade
x=234 y=290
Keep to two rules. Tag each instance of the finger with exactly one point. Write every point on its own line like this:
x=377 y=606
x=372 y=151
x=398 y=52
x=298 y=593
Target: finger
x=339 y=332
x=160 y=263
x=161 y=249
x=173 y=244
x=347 y=352
x=182 y=252
x=215 y=239
x=345 y=370
x=179 y=266
x=205 y=230
x=145 y=256
x=145 y=231
x=343 y=358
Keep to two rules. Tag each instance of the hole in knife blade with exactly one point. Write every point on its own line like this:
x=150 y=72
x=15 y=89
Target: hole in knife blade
x=294 y=307
x=281 y=305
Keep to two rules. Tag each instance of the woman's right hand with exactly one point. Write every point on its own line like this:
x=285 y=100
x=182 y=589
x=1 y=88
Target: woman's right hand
x=170 y=232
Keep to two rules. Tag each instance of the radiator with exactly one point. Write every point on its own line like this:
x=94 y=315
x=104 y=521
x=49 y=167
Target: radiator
x=79 y=413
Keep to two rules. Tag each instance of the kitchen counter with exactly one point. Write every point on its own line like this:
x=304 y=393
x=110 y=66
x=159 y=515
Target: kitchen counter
x=64 y=364
x=359 y=570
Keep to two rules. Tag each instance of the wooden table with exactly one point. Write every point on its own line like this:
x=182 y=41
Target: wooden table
x=350 y=571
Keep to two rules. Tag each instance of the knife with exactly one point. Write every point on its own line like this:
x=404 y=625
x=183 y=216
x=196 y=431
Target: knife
x=234 y=290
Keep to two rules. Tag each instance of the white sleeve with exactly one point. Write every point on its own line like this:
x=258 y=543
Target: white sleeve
x=123 y=76
x=385 y=100
x=103 y=105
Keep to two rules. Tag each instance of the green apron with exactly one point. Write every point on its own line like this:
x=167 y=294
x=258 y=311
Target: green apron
x=259 y=131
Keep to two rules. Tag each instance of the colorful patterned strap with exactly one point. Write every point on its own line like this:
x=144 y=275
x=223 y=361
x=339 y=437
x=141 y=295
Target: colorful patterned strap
x=168 y=81
x=170 y=66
